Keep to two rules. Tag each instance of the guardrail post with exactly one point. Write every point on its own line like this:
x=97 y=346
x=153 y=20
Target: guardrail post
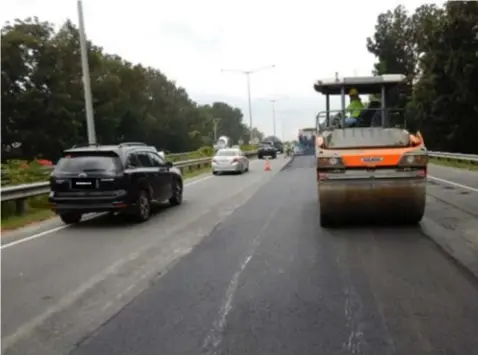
x=20 y=206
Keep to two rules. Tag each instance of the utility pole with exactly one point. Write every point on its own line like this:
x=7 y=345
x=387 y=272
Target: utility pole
x=90 y=120
x=248 y=73
x=274 y=115
x=215 y=122
x=251 y=133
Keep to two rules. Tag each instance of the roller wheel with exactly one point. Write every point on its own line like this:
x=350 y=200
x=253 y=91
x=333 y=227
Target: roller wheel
x=326 y=220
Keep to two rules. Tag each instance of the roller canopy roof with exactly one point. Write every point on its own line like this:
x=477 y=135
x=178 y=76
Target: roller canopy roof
x=364 y=84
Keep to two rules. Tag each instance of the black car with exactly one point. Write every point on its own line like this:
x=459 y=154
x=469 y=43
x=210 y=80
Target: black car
x=266 y=149
x=279 y=146
x=276 y=142
x=124 y=178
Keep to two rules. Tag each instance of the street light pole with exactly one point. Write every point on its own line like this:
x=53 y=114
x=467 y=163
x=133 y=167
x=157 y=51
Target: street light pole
x=251 y=131
x=215 y=122
x=274 y=115
x=90 y=120
x=248 y=73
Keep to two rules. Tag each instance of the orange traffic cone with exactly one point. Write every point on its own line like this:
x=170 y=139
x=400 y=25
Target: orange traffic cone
x=267 y=167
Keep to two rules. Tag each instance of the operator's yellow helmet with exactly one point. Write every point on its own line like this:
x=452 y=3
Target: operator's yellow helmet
x=353 y=92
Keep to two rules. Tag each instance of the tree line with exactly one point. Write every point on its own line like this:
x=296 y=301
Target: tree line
x=43 y=108
x=437 y=49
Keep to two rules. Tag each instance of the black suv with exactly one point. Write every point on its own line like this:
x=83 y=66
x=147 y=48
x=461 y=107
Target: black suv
x=276 y=142
x=123 y=178
x=266 y=148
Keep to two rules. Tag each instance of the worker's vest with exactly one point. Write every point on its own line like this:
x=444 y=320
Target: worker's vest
x=355 y=107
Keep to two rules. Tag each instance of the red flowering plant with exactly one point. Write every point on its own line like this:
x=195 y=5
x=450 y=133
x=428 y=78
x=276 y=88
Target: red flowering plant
x=15 y=172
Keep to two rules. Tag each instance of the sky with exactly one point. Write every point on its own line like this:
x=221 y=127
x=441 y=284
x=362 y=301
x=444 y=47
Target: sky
x=190 y=41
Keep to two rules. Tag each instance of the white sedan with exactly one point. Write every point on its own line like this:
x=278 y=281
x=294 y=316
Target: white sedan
x=229 y=160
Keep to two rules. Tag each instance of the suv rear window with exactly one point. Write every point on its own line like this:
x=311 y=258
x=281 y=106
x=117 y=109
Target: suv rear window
x=86 y=163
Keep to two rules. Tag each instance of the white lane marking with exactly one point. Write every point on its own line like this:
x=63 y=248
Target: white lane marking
x=49 y=231
x=56 y=229
x=34 y=236
x=198 y=180
x=453 y=183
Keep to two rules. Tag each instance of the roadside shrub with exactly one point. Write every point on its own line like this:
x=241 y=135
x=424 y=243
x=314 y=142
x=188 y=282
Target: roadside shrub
x=206 y=151
x=16 y=172
x=249 y=147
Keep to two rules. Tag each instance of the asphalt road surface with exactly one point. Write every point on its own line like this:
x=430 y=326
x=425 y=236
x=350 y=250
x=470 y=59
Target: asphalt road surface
x=456 y=187
x=57 y=287
x=242 y=267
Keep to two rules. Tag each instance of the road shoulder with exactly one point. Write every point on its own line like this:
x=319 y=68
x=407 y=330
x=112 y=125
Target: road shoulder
x=454 y=230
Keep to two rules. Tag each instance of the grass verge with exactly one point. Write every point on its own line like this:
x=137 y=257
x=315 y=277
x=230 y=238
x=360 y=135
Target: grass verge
x=34 y=215
x=455 y=164
x=38 y=214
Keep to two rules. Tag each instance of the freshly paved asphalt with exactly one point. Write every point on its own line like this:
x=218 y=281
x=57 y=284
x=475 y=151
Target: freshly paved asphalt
x=269 y=280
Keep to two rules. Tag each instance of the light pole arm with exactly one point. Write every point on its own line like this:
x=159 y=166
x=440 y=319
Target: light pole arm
x=262 y=68
x=248 y=74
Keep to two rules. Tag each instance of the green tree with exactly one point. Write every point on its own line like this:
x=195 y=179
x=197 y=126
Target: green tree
x=43 y=99
x=436 y=47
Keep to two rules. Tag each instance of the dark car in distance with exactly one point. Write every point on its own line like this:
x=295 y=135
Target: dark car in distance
x=125 y=178
x=276 y=142
x=266 y=149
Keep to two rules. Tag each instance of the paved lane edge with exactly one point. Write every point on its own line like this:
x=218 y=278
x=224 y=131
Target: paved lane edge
x=452 y=244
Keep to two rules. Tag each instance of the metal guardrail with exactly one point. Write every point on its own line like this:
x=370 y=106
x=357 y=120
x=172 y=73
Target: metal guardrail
x=470 y=158
x=19 y=193
x=172 y=157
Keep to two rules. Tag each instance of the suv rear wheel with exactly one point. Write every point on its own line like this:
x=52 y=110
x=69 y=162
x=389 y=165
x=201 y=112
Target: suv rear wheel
x=70 y=217
x=177 y=197
x=142 y=210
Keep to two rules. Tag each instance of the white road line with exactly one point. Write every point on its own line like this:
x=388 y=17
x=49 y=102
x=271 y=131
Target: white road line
x=34 y=236
x=198 y=180
x=56 y=229
x=49 y=231
x=453 y=183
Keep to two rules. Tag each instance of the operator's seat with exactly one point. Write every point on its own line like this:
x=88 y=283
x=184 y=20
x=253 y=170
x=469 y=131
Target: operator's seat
x=367 y=115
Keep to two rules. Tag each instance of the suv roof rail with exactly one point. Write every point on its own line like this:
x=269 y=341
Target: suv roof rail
x=81 y=145
x=129 y=144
